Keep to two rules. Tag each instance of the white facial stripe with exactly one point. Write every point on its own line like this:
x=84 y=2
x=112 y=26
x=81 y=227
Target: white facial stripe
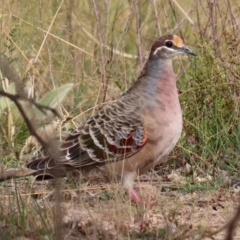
x=159 y=49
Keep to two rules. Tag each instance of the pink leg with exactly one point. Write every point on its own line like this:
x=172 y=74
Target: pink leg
x=134 y=196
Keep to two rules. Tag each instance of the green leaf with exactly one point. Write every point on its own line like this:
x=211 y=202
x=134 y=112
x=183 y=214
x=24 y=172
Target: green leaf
x=53 y=98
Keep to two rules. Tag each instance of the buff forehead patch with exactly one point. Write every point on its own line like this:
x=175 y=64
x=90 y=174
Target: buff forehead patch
x=177 y=41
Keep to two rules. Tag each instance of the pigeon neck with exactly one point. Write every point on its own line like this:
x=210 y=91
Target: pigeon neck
x=156 y=75
x=157 y=78
x=158 y=68
x=158 y=72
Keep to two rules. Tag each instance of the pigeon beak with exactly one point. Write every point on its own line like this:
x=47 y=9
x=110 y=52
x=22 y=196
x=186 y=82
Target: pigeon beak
x=187 y=50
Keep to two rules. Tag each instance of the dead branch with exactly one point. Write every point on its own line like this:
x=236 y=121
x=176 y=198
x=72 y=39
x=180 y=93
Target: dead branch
x=233 y=224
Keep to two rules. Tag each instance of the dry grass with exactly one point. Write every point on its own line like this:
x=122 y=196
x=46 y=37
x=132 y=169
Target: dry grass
x=100 y=47
x=103 y=212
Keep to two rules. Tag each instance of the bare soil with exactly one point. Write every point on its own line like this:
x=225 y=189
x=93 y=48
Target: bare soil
x=102 y=211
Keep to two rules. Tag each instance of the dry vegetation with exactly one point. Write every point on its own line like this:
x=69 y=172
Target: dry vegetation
x=100 y=47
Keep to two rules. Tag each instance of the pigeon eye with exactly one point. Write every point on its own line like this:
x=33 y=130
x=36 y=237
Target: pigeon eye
x=169 y=44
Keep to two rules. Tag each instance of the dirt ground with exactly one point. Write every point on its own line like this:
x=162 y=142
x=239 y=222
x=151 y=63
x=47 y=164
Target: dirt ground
x=169 y=215
x=103 y=211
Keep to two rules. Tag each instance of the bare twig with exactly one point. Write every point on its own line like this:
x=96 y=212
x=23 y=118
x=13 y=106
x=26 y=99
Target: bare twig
x=157 y=18
x=233 y=224
x=184 y=12
x=50 y=146
x=40 y=107
x=10 y=73
x=102 y=40
x=138 y=28
x=15 y=98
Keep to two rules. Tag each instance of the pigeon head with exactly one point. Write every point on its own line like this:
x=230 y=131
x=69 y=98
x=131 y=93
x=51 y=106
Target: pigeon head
x=169 y=46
